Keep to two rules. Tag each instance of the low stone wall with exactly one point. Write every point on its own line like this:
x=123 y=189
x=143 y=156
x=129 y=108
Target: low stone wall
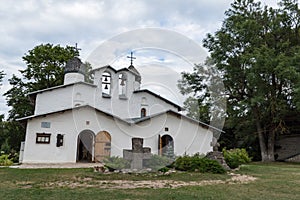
x=218 y=156
x=294 y=159
x=286 y=146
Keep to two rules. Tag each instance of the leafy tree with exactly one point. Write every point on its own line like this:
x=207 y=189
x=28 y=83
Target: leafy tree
x=257 y=53
x=207 y=102
x=17 y=99
x=45 y=65
x=88 y=75
x=44 y=69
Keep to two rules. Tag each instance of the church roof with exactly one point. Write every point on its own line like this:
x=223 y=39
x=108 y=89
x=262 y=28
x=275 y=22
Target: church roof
x=106 y=66
x=61 y=86
x=204 y=125
x=132 y=70
x=160 y=97
x=69 y=109
x=127 y=121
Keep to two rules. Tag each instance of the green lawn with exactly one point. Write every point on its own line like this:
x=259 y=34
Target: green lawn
x=275 y=181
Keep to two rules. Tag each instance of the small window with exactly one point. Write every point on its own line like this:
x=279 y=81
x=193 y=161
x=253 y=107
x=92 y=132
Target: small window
x=144 y=101
x=59 y=140
x=43 y=138
x=166 y=129
x=143 y=112
x=45 y=124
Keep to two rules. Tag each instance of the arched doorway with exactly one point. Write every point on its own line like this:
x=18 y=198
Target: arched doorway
x=85 y=145
x=167 y=146
x=102 y=146
x=143 y=112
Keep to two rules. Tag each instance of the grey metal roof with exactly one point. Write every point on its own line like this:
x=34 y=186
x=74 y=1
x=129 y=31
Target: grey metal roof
x=61 y=86
x=127 y=121
x=160 y=97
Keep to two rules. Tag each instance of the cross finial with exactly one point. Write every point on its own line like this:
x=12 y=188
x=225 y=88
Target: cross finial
x=76 y=47
x=131 y=58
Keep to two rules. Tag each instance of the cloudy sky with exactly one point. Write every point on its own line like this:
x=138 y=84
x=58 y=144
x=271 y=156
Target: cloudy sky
x=94 y=23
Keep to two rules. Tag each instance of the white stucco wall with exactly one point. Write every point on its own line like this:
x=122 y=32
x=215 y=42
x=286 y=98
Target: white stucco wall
x=64 y=98
x=188 y=136
x=81 y=94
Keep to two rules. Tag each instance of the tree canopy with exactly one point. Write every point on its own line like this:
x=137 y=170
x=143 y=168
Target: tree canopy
x=44 y=69
x=257 y=53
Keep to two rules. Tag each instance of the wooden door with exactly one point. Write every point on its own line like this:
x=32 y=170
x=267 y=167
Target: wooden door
x=102 y=146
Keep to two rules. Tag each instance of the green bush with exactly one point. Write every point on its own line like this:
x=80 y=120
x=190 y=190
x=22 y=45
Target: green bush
x=115 y=162
x=198 y=163
x=5 y=147
x=235 y=157
x=157 y=162
x=5 y=161
x=13 y=156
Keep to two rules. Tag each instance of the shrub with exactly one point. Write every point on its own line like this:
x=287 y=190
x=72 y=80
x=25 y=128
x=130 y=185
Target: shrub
x=198 y=163
x=115 y=162
x=235 y=157
x=13 y=156
x=157 y=162
x=5 y=161
x=5 y=147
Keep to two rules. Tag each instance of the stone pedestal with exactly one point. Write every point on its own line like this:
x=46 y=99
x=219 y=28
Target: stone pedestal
x=137 y=154
x=218 y=156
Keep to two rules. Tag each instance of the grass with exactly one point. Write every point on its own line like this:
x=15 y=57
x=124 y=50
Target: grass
x=275 y=181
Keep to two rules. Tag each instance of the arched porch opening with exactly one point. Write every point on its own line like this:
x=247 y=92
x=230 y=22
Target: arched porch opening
x=85 y=146
x=166 y=146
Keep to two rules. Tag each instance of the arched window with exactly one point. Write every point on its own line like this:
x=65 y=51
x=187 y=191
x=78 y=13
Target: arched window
x=122 y=85
x=106 y=84
x=143 y=112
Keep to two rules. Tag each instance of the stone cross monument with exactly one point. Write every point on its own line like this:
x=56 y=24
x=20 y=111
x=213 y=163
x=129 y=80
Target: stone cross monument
x=137 y=154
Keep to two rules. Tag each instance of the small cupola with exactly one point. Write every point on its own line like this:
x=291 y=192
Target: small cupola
x=74 y=71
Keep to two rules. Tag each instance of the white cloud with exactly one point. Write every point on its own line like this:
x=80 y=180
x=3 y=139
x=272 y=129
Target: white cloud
x=27 y=23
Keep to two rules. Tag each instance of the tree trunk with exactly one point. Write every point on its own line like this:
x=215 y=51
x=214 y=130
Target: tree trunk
x=266 y=144
x=271 y=144
x=262 y=142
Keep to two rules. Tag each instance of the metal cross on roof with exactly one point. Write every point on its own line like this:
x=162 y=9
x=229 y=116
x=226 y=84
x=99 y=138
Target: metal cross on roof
x=131 y=58
x=76 y=47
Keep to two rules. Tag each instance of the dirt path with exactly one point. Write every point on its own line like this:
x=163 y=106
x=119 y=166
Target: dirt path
x=155 y=184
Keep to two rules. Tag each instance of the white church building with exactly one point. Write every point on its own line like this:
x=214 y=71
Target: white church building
x=86 y=122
